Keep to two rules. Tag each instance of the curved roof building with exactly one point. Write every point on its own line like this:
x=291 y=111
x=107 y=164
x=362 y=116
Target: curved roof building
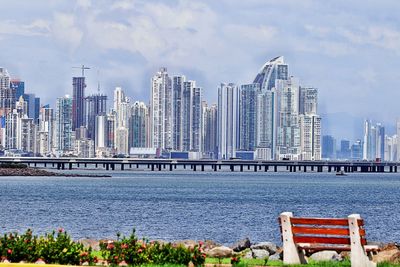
x=270 y=72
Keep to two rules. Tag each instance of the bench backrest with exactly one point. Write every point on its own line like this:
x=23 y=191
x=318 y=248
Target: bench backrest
x=323 y=231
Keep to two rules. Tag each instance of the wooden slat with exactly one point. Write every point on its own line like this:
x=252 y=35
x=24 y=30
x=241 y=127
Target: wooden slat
x=325 y=240
x=321 y=248
x=323 y=221
x=323 y=231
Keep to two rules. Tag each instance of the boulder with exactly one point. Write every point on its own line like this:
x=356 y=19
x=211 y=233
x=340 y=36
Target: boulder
x=241 y=245
x=275 y=257
x=386 y=255
x=220 y=252
x=260 y=253
x=209 y=244
x=40 y=261
x=248 y=255
x=268 y=246
x=326 y=255
x=186 y=243
x=94 y=244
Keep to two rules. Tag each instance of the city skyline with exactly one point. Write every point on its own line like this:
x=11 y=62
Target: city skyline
x=349 y=56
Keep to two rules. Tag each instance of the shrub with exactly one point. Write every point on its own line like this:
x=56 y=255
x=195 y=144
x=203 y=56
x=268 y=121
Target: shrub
x=136 y=251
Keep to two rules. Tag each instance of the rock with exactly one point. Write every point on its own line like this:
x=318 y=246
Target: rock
x=94 y=244
x=260 y=253
x=241 y=245
x=40 y=261
x=275 y=257
x=395 y=258
x=268 y=246
x=123 y=263
x=326 y=255
x=185 y=243
x=5 y=261
x=209 y=244
x=386 y=255
x=86 y=263
x=248 y=255
x=220 y=252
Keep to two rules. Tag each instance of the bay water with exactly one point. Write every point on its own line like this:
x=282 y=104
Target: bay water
x=223 y=206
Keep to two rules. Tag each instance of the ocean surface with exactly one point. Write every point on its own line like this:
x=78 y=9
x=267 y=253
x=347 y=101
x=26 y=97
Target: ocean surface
x=222 y=206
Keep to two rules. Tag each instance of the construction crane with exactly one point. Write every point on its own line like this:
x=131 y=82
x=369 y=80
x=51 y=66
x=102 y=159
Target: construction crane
x=83 y=68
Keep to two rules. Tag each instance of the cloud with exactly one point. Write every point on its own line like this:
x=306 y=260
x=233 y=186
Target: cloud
x=84 y=3
x=36 y=28
x=375 y=35
x=65 y=30
x=123 y=5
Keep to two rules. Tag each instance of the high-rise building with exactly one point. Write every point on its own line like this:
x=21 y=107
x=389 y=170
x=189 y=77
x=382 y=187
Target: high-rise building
x=248 y=116
x=268 y=105
x=7 y=94
x=161 y=110
x=310 y=136
x=63 y=125
x=18 y=86
x=96 y=105
x=288 y=132
x=367 y=144
x=210 y=135
x=177 y=96
x=380 y=142
x=31 y=101
x=308 y=100
x=345 y=151
x=45 y=142
x=78 y=102
x=374 y=141
x=228 y=120
x=138 y=125
x=37 y=110
x=186 y=114
x=357 y=150
x=328 y=147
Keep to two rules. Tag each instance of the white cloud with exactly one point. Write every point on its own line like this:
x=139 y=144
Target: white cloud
x=84 y=3
x=123 y=5
x=65 y=30
x=36 y=28
x=379 y=36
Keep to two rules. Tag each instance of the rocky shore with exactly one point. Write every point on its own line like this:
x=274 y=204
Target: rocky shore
x=269 y=251
x=26 y=171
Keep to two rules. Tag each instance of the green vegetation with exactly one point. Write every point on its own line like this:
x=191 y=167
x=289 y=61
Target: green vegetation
x=12 y=165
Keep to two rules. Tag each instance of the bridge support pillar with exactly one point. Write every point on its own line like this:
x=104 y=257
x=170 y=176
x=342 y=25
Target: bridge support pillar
x=275 y=168
x=255 y=168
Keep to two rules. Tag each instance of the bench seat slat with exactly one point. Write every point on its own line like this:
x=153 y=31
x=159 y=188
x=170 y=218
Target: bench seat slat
x=323 y=231
x=317 y=248
x=325 y=240
x=323 y=221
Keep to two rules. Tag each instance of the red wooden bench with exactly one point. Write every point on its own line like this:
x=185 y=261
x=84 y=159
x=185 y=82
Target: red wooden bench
x=302 y=236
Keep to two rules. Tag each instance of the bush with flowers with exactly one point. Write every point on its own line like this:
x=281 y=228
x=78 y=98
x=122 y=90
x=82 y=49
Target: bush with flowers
x=133 y=251
x=51 y=248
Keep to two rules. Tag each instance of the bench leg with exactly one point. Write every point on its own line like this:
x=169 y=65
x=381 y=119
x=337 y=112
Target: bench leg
x=291 y=254
x=359 y=257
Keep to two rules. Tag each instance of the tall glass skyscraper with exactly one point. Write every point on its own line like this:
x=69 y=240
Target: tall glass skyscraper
x=78 y=102
x=64 y=124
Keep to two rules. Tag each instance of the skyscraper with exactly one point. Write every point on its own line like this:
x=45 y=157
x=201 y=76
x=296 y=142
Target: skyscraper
x=268 y=104
x=310 y=136
x=96 y=105
x=228 y=126
x=63 y=124
x=288 y=132
x=18 y=86
x=161 y=110
x=308 y=100
x=177 y=95
x=210 y=135
x=45 y=131
x=328 y=147
x=78 y=102
x=138 y=125
x=248 y=116
x=30 y=100
x=7 y=94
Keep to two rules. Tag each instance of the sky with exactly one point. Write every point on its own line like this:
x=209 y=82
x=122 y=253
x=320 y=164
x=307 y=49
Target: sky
x=349 y=50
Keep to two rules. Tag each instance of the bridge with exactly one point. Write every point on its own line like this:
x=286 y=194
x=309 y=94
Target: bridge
x=203 y=165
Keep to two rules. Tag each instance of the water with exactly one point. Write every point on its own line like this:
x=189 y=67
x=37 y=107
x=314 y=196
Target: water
x=222 y=206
